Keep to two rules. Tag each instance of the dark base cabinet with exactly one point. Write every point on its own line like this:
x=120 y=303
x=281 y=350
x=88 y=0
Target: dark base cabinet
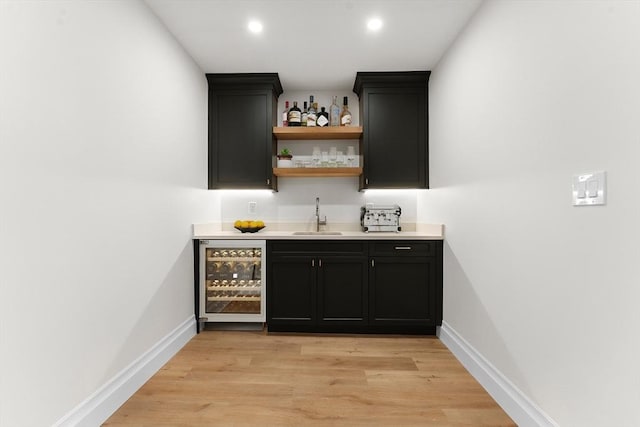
x=354 y=286
x=312 y=285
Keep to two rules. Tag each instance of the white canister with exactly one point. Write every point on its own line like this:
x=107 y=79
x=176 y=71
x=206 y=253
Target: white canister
x=285 y=163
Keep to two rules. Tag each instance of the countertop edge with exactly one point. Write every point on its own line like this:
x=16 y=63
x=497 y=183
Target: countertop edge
x=431 y=232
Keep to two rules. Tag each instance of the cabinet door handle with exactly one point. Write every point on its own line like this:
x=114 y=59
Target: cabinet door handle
x=313 y=263
x=268 y=181
x=320 y=263
x=373 y=263
x=406 y=248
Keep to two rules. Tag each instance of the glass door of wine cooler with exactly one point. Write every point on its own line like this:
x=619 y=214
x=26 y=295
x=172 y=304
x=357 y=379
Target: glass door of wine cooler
x=232 y=280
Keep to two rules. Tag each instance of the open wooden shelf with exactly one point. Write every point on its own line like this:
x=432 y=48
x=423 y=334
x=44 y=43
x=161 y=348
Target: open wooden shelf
x=317 y=172
x=318 y=133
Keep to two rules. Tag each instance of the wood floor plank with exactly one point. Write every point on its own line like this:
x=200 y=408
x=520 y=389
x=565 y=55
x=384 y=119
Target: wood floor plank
x=333 y=362
x=253 y=378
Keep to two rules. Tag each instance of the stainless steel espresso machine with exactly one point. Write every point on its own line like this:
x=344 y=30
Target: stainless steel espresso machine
x=380 y=218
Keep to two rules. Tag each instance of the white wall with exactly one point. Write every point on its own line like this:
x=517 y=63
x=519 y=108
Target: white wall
x=294 y=203
x=531 y=93
x=102 y=173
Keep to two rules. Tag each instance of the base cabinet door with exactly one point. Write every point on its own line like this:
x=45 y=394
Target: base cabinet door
x=402 y=291
x=342 y=291
x=291 y=291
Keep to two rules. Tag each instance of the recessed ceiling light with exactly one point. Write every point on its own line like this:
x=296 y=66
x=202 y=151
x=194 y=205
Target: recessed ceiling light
x=255 y=26
x=374 y=24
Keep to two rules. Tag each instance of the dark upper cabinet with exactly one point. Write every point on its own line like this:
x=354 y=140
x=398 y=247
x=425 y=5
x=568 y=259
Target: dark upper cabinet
x=395 y=120
x=242 y=113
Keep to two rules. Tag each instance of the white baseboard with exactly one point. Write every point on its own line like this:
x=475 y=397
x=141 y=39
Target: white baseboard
x=516 y=404
x=95 y=410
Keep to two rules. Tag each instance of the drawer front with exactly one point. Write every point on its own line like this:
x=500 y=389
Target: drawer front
x=317 y=246
x=403 y=248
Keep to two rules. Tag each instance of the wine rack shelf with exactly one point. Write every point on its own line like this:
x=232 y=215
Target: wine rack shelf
x=234 y=259
x=234 y=298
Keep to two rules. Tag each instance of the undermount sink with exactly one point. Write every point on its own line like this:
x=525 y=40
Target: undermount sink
x=317 y=233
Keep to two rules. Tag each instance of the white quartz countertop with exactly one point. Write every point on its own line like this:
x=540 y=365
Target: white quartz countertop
x=214 y=232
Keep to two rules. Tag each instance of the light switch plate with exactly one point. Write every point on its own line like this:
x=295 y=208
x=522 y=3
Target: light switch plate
x=253 y=206
x=589 y=189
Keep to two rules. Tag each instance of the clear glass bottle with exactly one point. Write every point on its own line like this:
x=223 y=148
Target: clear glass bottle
x=285 y=113
x=312 y=116
x=334 y=112
x=294 y=115
x=345 y=115
x=304 y=116
x=323 y=118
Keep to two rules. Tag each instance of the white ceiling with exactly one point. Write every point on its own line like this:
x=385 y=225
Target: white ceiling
x=315 y=44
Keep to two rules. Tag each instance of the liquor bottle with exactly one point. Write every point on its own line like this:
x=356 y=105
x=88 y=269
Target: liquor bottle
x=311 y=102
x=305 y=114
x=345 y=115
x=323 y=118
x=334 y=112
x=312 y=117
x=285 y=113
x=293 y=117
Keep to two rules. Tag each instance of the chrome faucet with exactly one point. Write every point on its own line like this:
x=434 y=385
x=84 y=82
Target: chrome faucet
x=319 y=221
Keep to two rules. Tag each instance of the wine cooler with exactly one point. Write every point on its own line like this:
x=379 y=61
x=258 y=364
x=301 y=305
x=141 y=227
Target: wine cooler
x=232 y=280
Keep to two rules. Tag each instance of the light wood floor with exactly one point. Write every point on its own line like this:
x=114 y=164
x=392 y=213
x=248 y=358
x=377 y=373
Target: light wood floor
x=259 y=379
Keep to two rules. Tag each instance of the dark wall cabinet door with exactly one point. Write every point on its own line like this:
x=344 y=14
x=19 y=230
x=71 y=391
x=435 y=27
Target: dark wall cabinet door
x=394 y=115
x=242 y=113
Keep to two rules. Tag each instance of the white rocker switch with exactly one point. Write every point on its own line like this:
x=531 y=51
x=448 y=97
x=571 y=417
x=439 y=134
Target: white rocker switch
x=592 y=188
x=582 y=190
